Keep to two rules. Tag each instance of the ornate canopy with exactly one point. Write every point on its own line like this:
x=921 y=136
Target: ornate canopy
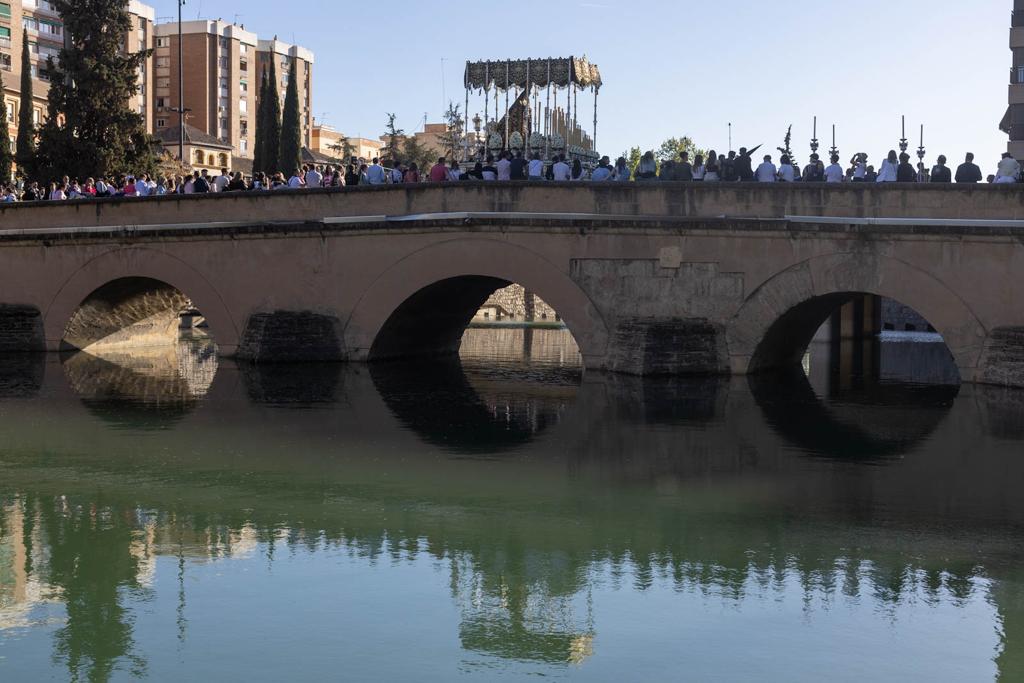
x=517 y=73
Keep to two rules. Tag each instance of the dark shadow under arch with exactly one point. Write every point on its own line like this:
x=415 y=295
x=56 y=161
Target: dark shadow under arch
x=787 y=339
x=868 y=422
x=431 y=321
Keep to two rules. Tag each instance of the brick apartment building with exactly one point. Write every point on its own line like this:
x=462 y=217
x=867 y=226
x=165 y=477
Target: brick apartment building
x=220 y=79
x=46 y=38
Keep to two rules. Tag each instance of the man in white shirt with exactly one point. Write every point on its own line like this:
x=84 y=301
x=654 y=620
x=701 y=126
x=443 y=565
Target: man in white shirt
x=295 y=182
x=220 y=183
x=561 y=170
x=536 y=168
x=766 y=172
x=834 y=173
x=375 y=173
x=141 y=186
x=504 y=167
x=314 y=178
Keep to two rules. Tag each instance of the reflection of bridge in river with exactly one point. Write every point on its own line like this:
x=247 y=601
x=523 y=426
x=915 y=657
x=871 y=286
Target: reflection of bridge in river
x=521 y=534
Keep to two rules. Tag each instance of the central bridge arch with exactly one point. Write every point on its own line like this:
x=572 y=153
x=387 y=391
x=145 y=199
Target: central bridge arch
x=778 y=320
x=452 y=279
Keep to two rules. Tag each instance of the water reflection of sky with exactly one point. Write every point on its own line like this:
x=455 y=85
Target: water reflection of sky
x=471 y=520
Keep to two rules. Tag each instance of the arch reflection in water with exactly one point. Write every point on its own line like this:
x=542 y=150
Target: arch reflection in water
x=134 y=387
x=506 y=387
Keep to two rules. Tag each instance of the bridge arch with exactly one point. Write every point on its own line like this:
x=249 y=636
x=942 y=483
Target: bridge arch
x=461 y=274
x=779 y=318
x=139 y=264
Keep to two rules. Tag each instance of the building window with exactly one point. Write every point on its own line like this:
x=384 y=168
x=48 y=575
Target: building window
x=163 y=83
x=243 y=146
x=163 y=42
x=161 y=102
x=243 y=106
x=199 y=156
x=223 y=61
x=161 y=123
x=163 y=61
x=1020 y=74
x=37 y=116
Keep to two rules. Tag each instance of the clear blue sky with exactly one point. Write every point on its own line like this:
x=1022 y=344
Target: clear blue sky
x=672 y=67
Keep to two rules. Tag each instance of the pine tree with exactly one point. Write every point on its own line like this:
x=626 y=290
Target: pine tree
x=395 y=136
x=291 y=125
x=259 y=151
x=6 y=157
x=272 y=122
x=91 y=129
x=25 y=153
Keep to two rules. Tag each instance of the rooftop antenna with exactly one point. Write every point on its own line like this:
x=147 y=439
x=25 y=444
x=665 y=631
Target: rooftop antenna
x=444 y=90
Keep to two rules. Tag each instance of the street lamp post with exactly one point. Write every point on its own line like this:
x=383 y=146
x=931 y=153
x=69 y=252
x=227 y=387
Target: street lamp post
x=181 y=91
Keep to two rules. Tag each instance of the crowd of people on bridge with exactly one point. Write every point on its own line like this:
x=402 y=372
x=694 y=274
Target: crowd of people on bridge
x=509 y=166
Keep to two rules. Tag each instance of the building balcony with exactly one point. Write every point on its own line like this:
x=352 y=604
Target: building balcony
x=1016 y=37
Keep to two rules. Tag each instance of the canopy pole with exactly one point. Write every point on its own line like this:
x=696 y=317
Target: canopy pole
x=528 y=112
x=595 y=119
x=465 y=129
x=568 y=113
x=487 y=95
x=547 y=116
x=575 y=111
x=507 y=141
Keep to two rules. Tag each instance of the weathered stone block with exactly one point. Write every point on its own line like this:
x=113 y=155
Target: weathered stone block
x=291 y=336
x=677 y=346
x=21 y=328
x=1003 y=361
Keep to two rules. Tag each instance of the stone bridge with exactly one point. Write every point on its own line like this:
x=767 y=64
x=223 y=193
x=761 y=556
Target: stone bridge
x=658 y=278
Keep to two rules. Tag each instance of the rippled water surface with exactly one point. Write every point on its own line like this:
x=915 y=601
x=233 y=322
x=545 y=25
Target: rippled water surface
x=163 y=515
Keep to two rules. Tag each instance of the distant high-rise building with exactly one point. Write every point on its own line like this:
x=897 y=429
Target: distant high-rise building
x=1013 y=121
x=220 y=80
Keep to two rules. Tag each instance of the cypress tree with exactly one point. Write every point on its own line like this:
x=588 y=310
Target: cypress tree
x=25 y=150
x=259 y=149
x=291 y=125
x=91 y=129
x=6 y=156
x=272 y=120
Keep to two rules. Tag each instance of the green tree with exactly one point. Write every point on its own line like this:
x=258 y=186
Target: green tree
x=394 y=136
x=6 y=157
x=343 y=148
x=25 y=149
x=633 y=159
x=91 y=129
x=451 y=140
x=259 y=148
x=291 y=125
x=414 y=152
x=672 y=148
x=272 y=123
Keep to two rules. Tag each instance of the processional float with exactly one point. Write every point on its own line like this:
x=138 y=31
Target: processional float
x=527 y=123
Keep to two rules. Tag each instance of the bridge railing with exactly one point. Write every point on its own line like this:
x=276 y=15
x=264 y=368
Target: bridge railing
x=674 y=201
